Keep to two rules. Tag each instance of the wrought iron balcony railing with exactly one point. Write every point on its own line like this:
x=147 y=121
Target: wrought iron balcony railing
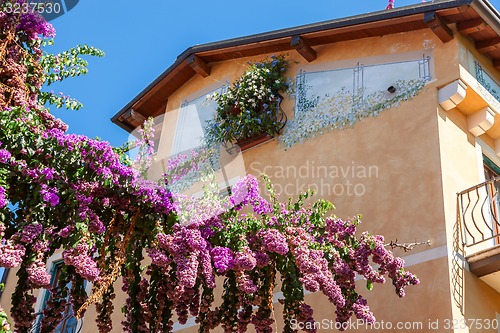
x=68 y=324
x=480 y=214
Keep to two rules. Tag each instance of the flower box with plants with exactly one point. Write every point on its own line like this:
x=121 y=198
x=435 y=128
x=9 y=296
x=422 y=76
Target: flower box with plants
x=249 y=112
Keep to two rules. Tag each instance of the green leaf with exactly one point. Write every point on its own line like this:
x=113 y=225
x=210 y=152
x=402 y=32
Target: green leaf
x=369 y=285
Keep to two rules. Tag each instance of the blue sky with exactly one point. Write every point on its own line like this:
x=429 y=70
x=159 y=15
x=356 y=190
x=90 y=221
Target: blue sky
x=142 y=39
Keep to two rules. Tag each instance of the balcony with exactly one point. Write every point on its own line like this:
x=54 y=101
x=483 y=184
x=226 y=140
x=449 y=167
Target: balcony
x=475 y=100
x=480 y=230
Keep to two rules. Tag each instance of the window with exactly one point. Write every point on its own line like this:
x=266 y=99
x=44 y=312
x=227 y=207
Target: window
x=491 y=172
x=3 y=277
x=189 y=158
x=69 y=324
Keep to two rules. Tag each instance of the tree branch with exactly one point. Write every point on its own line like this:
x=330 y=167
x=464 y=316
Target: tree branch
x=406 y=246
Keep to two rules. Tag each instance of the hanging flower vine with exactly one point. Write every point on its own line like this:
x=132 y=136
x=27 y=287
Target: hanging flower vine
x=250 y=107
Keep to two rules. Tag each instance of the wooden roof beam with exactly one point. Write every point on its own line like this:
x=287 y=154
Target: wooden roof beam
x=496 y=64
x=488 y=45
x=438 y=26
x=199 y=65
x=133 y=118
x=471 y=26
x=303 y=48
x=445 y=13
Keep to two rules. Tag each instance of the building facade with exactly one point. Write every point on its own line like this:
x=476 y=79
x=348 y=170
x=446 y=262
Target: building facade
x=395 y=116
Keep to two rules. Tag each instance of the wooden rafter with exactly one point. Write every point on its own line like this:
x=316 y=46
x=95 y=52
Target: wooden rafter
x=471 y=26
x=133 y=118
x=438 y=26
x=488 y=45
x=199 y=65
x=303 y=48
x=496 y=64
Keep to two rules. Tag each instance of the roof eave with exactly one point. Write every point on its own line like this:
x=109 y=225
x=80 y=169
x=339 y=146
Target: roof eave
x=482 y=6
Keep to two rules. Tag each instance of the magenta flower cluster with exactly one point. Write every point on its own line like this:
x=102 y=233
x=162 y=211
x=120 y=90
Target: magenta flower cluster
x=273 y=241
x=245 y=259
x=223 y=258
x=33 y=24
x=190 y=252
x=3 y=198
x=389 y=264
x=246 y=191
x=31 y=232
x=326 y=255
x=314 y=267
x=81 y=258
x=11 y=255
x=37 y=274
x=4 y=156
x=49 y=195
x=72 y=186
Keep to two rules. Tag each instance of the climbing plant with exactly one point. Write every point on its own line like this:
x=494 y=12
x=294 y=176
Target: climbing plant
x=80 y=196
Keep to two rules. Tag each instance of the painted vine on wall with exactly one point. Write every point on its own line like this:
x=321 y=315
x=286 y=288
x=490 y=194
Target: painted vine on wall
x=316 y=116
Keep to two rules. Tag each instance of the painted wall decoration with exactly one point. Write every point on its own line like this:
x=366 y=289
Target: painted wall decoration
x=187 y=168
x=337 y=99
x=190 y=157
x=487 y=81
x=190 y=129
x=477 y=69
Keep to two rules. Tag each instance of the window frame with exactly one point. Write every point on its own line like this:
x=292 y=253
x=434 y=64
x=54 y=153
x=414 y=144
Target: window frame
x=53 y=263
x=3 y=278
